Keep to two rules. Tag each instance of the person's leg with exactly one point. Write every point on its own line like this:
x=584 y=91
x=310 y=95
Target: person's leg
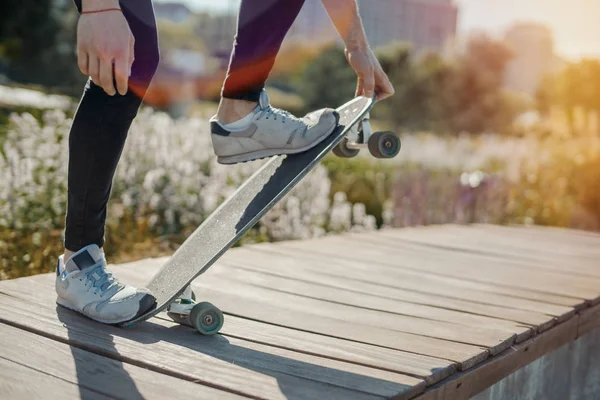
x=261 y=29
x=246 y=127
x=99 y=130
x=96 y=140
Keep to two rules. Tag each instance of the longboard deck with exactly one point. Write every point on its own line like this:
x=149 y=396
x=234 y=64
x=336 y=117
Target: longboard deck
x=242 y=210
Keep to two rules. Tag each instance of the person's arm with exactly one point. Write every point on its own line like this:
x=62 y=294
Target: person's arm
x=103 y=40
x=371 y=78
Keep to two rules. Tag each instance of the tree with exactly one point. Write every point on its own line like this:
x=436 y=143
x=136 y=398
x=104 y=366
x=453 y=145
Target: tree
x=37 y=42
x=473 y=95
x=575 y=87
x=329 y=81
x=417 y=104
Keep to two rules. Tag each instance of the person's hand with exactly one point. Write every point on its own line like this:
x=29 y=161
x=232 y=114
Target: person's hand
x=104 y=40
x=371 y=77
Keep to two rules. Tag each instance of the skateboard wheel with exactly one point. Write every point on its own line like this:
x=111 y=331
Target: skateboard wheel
x=384 y=145
x=206 y=318
x=343 y=151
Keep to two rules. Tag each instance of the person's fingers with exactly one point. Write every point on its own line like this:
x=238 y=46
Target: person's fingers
x=106 y=76
x=384 y=86
x=122 y=73
x=94 y=68
x=369 y=83
x=82 y=61
x=359 y=87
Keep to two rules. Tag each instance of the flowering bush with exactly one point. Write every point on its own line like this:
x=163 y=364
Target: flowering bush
x=543 y=180
x=167 y=183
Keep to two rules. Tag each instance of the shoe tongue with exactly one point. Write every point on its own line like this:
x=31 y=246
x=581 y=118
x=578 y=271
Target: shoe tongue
x=84 y=258
x=264 y=101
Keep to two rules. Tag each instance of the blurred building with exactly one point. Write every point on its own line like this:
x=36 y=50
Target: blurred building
x=426 y=24
x=533 y=56
x=313 y=24
x=175 y=11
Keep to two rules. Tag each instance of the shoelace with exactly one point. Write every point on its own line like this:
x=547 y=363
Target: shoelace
x=105 y=282
x=276 y=112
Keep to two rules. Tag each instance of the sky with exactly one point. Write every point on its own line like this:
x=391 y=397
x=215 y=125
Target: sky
x=574 y=22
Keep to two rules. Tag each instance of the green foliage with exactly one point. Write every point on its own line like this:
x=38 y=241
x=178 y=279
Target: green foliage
x=431 y=92
x=472 y=93
x=417 y=103
x=37 y=43
x=575 y=87
x=363 y=180
x=328 y=81
x=588 y=178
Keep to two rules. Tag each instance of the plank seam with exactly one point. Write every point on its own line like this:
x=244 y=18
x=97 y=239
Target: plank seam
x=531 y=262
x=484 y=350
x=59 y=378
x=387 y=265
x=451 y=366
x=125 y=359
x=235 y=265
x=440 y=387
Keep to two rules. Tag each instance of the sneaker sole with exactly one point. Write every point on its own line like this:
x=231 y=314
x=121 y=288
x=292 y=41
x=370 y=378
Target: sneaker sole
x=268 y=153
x=145 y=306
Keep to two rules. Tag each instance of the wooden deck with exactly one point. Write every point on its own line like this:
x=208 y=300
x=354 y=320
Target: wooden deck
x=427 y=313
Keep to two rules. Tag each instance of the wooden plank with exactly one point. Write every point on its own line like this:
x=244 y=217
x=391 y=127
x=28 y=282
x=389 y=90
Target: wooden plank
x=524 y=252
x=495 y=340
x=398 y=278
x=259 y=283
x=589 y=320
x=258 y=266
x=496 y=281
x=504 y=271
x=514 y=316
x=464 y=355
x=467 y=384
x=16 y=384
x=499 y=275
x=488 y=250
x=95 y=375
x=210 y=283
x=583 y=242
x=225 y=363
x=523 y=243
x=430 y=369
x=342 y=296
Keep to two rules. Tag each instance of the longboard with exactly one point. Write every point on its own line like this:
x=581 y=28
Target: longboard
x=242 y=210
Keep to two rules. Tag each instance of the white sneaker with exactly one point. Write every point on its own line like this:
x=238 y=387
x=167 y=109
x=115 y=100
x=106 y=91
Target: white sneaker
x=269 y=132
x=86 y=286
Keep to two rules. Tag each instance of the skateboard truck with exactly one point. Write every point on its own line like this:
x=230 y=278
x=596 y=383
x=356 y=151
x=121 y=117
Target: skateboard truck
x=204 y=317
x=384 y=144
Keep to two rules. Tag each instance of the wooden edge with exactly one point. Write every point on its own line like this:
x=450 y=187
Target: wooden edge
x=588 y=320
x=567 y=316
x=505 y=344
x=465 y=385
x=527 y=334
x=471 y=362
x=550 y=324
x=583 y=305
x=595 y=301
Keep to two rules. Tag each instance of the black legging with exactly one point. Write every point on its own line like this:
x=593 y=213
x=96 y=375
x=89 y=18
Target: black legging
x=101 y=122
